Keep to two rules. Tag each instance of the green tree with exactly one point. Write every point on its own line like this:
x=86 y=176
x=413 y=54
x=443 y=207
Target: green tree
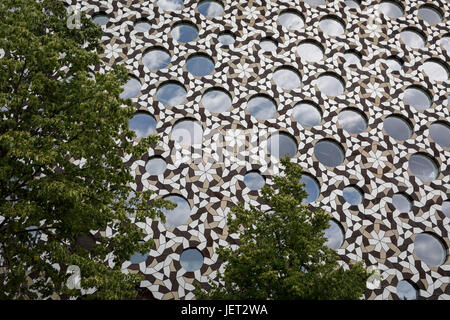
x=63 y=133
x=282 y=252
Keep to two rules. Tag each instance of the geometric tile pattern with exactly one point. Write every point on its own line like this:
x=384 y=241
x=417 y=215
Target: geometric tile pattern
x=375 y=231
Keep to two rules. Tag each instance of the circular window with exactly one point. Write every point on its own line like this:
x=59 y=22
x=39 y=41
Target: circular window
x=392 y=9
x=187 y=132
x=216 y=100
x=397 y=127
x=155 y=166
x=286 y=78
x=226 y=38
x=310 y=50
x=281 y=144
x=402 y=202
x=423 y=167
x=430 y=249
x=335 y=235
x=311 y=187
x=184 y=32
x=394 y=63
x=308 y=114
x=191 y=260
x=352 y=57
x=445 y=42
x=440 y=133
x=413 y=38
x=406 y=290
x=268 y=45
x=210 y=9
x=332 y=26
x=445 y=208
x=353 y=4
x=315 y=2
x=330 y=84
x=200 y=65
x=254 y=180
x=156 y=58
x=430 y=13
x=142 y=124
x=138 y=258
x=170 y=5
x=171 y=94
x=417 y=97
x=100 y=19
x=291 y=20
x=262 y=107
x=142 y=26
x=329 y=153
x=180 y=214
x=353 y=195
x=352 y=121
x=131 y=89
x=435 y=69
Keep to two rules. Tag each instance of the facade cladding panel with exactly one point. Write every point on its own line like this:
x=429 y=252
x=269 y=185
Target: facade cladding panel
x=376 y=74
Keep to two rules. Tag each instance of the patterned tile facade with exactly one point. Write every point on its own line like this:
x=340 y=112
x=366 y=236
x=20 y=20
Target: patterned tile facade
x=378 y=164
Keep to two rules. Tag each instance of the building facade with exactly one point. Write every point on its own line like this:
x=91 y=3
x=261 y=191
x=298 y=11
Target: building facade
x=356 y=92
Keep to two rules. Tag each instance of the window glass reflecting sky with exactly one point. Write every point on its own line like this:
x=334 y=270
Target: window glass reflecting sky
x=180 y=214
x=429 y=249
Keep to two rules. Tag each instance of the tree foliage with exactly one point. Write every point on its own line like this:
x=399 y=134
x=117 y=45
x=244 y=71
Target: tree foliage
x=63 y=131
x=282 y=252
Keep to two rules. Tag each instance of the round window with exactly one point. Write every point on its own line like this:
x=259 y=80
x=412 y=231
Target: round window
x=142 y=26
x=430 y=249
x=335 y=235
x=308 y=114
x=143 y=124
x=440 y=133
x=286 y=78
x=156 y=58
x=291 y=20
x=413 y=38
x=310 y=50
x=131 y=89
x=216 y=100
x=210 y=9
x=392 y=9
x=430 y=13
x=352 y=121
x=330 y=84
x=200 y=65
x=397 y=127
x=353 y=195
x=406 y=290
x=332 y=26
x=417 y=97
x=184 y=32
x=329 y=153
x=311 y=187
x=254 y=180
x=268 y=45
x=170 y=5
x=402 y=202
x=171 y=94
x=435 y=69
x=423 y=167
x=226 y=38
x=155 y=166
x=187 y=132
x=262 y=107
x=180 y=214
x=191 y=259
x=281 y=144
